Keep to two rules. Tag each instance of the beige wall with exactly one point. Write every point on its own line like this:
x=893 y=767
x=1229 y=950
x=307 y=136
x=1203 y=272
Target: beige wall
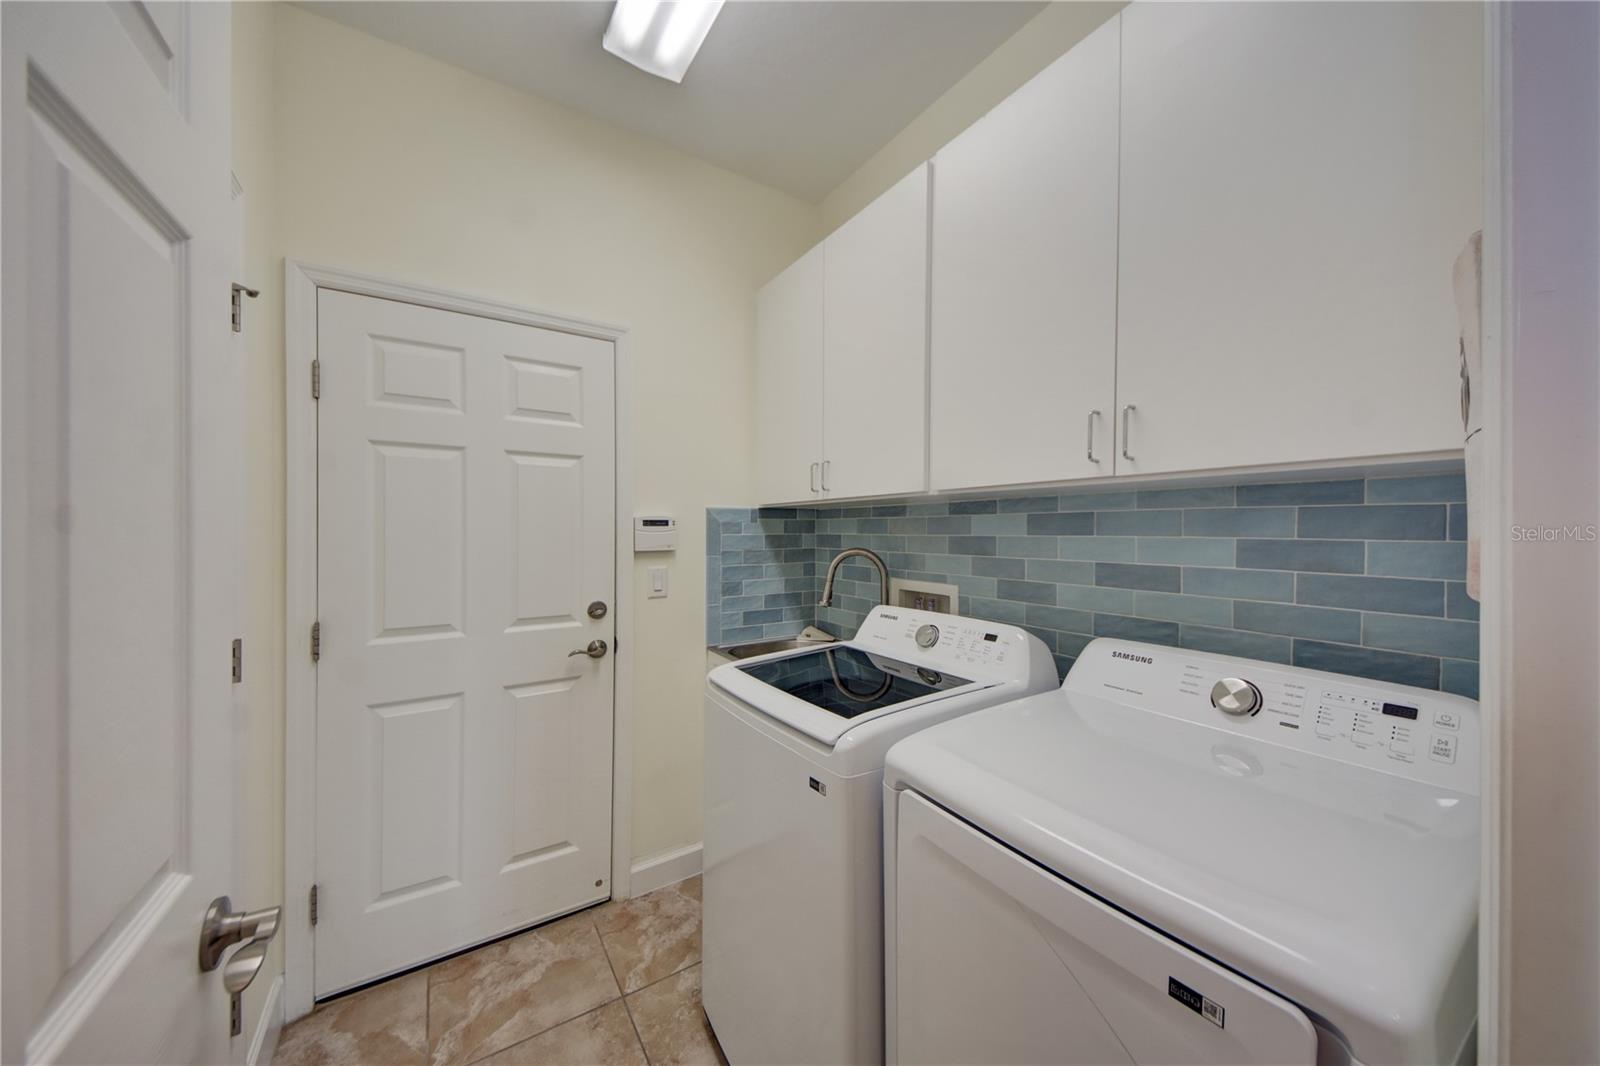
x=1040 y=41
x=355 y=153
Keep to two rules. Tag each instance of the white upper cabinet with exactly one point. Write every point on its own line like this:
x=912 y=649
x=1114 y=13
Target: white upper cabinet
x=1024 y=298
x=1296 y=182
x=875 y=347
x=789 y=382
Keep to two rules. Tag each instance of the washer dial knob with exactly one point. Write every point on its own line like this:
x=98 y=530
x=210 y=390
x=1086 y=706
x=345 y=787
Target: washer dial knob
x=927 y=636
x=1235 y=696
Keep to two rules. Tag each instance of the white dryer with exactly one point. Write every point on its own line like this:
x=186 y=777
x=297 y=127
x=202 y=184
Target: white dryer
x=793 y=914
x=1182 y=857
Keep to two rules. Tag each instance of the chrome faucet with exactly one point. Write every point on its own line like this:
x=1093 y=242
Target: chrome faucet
x=833 y=568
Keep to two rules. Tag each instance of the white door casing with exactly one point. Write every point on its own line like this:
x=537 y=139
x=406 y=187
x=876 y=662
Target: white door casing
x=466 y=475
x=120 y=442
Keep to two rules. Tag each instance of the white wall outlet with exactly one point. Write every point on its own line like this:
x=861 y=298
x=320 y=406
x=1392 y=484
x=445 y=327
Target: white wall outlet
x=658 y=582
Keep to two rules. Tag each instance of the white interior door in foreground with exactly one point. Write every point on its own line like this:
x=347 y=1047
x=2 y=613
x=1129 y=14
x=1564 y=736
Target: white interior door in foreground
x=466 y=472
x=120 y=444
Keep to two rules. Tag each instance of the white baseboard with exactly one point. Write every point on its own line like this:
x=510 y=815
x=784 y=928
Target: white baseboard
x=663 y=869
x=264 y=1042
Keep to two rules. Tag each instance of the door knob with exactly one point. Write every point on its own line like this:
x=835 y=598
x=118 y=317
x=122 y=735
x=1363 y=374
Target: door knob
x=596 y=650
x=224 y=927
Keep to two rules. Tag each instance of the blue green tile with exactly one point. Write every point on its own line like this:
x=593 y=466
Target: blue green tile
x=1425 y=636
x=1272 y=649
x=1009 y=524
x=1062 y=572
x=1096 y=501
x=1138 y=576
x=973 y=507
x=1460 y=677
x=1095 y=598
x=1240 y=584
x=1174 y=607
x=1398 y=595
x=1072 y=643
x=1291 y=493
x=1027 y=504
x=1416 y=670
x=991 y=567
x=1318 y=623
x=1443 y=559
x=1098 y=549
x=1458 y=521
x=1239 y=522
x=950 y=524
x=1321 y=556
x=1214 y=496
x=1061 y=524
x=1457 y=604
x=1139 y=523
x=1411 y=521
x=1145 y=629
x=1432 y=488
x=1027 y=591
x=1188 y=551
x=1060 y=618
x=972 y=546
x=1029 y=547
x=994 y=610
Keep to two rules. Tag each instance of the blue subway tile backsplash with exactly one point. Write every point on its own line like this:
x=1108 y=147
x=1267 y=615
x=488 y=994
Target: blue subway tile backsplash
x=1356 y=576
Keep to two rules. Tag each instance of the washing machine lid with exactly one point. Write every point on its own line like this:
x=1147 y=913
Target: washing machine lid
x=1346 y=889
x=825 y=691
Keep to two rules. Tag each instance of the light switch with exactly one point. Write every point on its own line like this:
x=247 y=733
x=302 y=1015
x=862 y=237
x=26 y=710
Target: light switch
x=658 y=582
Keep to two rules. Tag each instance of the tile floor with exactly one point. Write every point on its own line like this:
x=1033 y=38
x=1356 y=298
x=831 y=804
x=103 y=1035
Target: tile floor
x=618 y=983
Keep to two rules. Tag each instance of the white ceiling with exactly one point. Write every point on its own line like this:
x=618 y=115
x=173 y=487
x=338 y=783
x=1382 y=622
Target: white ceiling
x=793 y=93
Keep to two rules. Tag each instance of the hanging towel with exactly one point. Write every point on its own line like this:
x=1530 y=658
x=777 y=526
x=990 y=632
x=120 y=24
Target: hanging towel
x=1468 y=284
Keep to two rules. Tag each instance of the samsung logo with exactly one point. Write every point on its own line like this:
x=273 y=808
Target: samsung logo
x=1132 y=658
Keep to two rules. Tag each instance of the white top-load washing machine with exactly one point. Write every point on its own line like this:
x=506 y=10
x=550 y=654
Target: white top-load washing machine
x=793 y=917
x=1183 y=857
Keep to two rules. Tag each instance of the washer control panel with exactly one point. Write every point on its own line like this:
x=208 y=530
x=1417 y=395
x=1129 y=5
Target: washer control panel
x=970 y=647
x=1415 y=733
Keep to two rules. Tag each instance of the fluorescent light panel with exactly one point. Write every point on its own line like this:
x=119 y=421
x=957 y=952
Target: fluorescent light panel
x=660 y=37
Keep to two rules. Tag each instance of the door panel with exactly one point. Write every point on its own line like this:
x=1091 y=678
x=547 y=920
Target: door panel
x=1024 y=298
x=875 y=346
x=1050 y=974
x=789 y=382
x=120 y=447
x=1288 y=229
x=466 y=479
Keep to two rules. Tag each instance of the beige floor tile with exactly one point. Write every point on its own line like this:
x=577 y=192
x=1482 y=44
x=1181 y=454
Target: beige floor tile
x=672 y=1024
x=386 y=1025
x=603 y=1036
x=654 y=935
x=484 y=1002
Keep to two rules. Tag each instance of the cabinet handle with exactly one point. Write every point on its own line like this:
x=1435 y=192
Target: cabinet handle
x=814 y=476
x=1126 y=411
x=825 y=464
x=1092 y=416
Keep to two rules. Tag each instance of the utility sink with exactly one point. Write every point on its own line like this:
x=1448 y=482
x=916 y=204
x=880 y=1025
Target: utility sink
x=766 y=647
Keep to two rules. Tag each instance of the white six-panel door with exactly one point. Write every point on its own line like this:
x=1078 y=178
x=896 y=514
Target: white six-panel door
x=120 y=446
x=466 y=474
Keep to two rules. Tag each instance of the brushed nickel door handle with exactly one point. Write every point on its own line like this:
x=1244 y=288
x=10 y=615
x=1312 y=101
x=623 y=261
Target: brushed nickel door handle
x=596 y=650
x=1092 y=416
x=1126 y=411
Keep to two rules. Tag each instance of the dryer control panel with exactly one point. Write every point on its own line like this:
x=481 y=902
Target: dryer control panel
x=1415 y=733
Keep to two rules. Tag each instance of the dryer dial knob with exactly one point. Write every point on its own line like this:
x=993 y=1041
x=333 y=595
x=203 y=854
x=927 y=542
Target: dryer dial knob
x=927 y=636
x=1235 y=696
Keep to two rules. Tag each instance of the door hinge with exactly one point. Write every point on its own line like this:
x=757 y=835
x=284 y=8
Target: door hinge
x=316 y=379
x=239 y=293
x=314 y=904
x=238 y=659
x=316 y=641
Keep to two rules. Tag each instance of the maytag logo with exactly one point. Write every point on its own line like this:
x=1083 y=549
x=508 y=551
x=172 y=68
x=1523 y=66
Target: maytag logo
x=1132 y=658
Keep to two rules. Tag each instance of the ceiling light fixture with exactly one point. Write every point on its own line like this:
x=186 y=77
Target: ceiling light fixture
x=660 y=37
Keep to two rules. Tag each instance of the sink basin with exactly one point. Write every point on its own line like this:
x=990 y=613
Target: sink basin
x=766 y=647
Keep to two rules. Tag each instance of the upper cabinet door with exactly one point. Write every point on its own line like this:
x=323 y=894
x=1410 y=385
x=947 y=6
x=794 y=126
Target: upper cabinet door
x=1296 y=182
x=875 y=361
x=1024 y=281
x=789 y=382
